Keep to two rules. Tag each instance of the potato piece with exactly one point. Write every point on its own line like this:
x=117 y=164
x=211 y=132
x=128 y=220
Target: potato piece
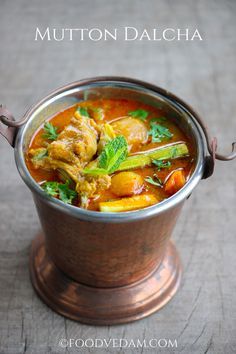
x=126 y=184
x=127 y=204
x=134 y=130
x=175 y=182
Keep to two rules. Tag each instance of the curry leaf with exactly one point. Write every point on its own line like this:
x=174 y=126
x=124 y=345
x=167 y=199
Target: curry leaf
x=139 y=113
x=50 y=131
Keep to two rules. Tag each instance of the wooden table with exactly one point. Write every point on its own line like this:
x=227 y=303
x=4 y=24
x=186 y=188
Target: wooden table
x=202 y=316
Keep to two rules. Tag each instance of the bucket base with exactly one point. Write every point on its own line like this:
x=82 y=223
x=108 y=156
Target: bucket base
x=103 y=306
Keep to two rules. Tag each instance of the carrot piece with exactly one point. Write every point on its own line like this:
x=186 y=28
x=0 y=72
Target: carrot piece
x=175 y=182
x=127 y=204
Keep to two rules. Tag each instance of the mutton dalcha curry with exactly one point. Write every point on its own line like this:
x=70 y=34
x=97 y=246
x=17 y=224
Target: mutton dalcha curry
x=110 y=155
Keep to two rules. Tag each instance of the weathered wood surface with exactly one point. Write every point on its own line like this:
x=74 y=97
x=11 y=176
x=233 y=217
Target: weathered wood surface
x=202 y=316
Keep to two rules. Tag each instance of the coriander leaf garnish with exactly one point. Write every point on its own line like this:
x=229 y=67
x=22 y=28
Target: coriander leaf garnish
x=83 y=111
x=139 y=113
x=113 y=153
x=158 y=132
x=50 y=131
x=161 y=164
x=157 y=182
x=61 y=190
x=65 y=193
x=51 y=188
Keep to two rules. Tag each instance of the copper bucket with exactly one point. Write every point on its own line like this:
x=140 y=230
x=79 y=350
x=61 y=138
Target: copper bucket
x=104 y=268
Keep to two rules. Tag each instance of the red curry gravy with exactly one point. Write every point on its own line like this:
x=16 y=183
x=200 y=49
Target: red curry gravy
x=112 y=109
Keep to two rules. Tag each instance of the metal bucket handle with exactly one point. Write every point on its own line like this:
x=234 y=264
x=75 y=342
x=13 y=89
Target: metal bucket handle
x=210 y=142
x=9 y=128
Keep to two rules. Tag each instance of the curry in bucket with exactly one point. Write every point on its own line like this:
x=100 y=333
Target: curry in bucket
x=110 y=155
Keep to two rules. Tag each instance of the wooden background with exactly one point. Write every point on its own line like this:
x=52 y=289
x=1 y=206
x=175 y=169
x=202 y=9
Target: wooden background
x=202 y=316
